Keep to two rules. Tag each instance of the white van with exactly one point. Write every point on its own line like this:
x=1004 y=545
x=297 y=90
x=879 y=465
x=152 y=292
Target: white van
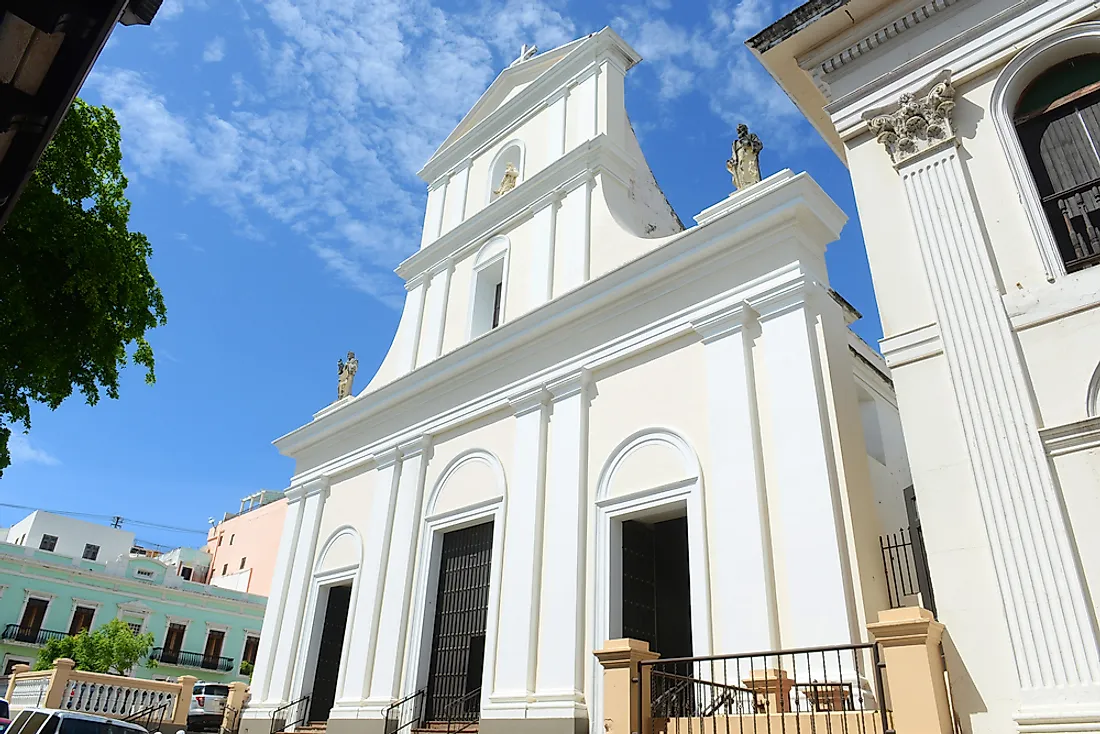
x=52 y=721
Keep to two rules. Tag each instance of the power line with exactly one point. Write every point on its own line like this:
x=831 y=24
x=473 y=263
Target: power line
x=115 y=520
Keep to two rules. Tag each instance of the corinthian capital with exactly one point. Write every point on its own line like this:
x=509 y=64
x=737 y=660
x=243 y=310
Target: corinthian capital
x=917 y=121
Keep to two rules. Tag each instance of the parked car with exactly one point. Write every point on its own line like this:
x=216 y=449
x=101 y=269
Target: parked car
x=207 y=707
x=52 y=721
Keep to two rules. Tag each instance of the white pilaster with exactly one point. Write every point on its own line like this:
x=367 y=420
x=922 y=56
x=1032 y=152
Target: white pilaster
x=433 y=214
x=517 y=632
x=556 y=142
x=276 y=601
x=301 y=573
x=813 y=604
x=454 y=206
x=393 y=619
x=745 y=616
x=542 y=261
x=573 y=251
x=435 y=314
x=417 y=288
x=368 y=602
x=561 y=654
x=1049 y=621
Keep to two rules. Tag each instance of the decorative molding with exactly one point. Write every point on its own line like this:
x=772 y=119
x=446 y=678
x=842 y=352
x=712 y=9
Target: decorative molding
x=570 y=385
x=918 y=121
x=472 y=455
x=1013 y=477
x=387 y=457
x=728 y=321
x=532 y=399
x=912 y=346
x=1071 y=437
x=1092 y=399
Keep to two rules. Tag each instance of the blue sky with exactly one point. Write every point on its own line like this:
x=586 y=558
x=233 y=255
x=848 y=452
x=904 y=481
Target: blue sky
x=272 y=149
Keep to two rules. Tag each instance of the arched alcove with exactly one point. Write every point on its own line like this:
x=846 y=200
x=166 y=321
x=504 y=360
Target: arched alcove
x=513 y=152
x=342 y=550
x=489 y=286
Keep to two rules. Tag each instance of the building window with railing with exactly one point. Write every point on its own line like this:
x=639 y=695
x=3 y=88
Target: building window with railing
x=48 y=543
x=1057 y=120
x=91 y=552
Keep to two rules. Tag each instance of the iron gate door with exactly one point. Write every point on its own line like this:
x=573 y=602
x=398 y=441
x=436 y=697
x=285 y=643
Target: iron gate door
x=458 y=638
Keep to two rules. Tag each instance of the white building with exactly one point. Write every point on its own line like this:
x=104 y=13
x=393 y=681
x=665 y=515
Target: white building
x=70 y=536
x=969 y=128
x=575 y=372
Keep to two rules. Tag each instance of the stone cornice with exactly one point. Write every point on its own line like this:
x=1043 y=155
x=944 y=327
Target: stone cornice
x=528 y=400
x=575 y=168
x=728 y=321
x=1071 y=437
x=298 y=492
x=797 y=199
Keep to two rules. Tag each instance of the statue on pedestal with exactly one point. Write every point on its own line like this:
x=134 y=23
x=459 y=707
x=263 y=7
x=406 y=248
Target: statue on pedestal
x=347 y=372
x=511 y=174
x=745 y=163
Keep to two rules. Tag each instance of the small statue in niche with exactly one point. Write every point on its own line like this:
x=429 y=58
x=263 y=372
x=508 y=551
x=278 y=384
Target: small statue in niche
x=511 y=173
x=745 y=163
x=347 y=372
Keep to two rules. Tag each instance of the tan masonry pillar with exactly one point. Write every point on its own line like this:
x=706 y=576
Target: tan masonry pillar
x=183 y=703
x=910 y=639
x=621 y=695
x=234 y=703
x=15 y=671
x=772 y=688
x=55 y=694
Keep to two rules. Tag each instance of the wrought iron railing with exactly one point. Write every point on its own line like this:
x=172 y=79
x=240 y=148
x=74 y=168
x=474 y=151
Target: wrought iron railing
x=460 y=714
x=184 y=659
x=905 y=562
x=405 y=714
x=31 y=635
x=231 y=721
x=293 y=714
x=823 y=689
x=152 y=718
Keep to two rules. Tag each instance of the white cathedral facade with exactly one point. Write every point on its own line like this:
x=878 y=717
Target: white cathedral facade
x=578 y=379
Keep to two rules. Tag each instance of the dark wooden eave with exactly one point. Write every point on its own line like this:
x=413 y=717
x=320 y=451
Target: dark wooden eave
x=46 y=52
x=792 y=23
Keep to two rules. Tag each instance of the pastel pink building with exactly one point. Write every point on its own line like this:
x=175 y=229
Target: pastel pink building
x=243 y=545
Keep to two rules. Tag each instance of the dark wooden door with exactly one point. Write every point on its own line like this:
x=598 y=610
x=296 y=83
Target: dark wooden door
x=211 y=656
x=31 y=622
x=458 y=638
x=82 y=620
x=329 y=652
x=657 y=586
x=173 y=643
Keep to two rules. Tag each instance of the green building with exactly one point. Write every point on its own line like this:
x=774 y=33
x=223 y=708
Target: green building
x=59 y=575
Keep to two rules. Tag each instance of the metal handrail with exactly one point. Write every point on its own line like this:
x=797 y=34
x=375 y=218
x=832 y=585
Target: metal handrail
x=414 y=721
x=144 y=718
x=234 y=717
x=303 y=714
x=455 y=704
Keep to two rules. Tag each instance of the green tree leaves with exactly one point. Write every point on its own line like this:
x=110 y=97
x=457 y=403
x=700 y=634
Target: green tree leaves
x=113 y=648
x=76 y=293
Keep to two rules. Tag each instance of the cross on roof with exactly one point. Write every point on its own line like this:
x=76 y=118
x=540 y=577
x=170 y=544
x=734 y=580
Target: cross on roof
x=525 y=52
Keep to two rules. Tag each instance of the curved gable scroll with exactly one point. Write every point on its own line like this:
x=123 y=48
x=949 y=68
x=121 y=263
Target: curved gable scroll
x=343 y=550
x=648 y=459
x=472 y=478
x=1092 y=399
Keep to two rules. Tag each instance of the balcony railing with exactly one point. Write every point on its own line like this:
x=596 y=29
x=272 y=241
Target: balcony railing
x=185 y=659
x=31 y=635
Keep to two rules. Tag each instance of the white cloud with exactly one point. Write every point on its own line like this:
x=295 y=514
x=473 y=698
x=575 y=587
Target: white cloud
x=22 y=452
x=214 y=51
x=348 y=98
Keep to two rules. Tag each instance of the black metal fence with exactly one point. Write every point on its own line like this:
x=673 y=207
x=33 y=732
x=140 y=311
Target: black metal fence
x=831 y=690
x=31 y=635
x=906 y=565
x=186 y=659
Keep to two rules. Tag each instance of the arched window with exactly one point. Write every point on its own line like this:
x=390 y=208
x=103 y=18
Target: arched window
x=1057 y=119
x=487 y=293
